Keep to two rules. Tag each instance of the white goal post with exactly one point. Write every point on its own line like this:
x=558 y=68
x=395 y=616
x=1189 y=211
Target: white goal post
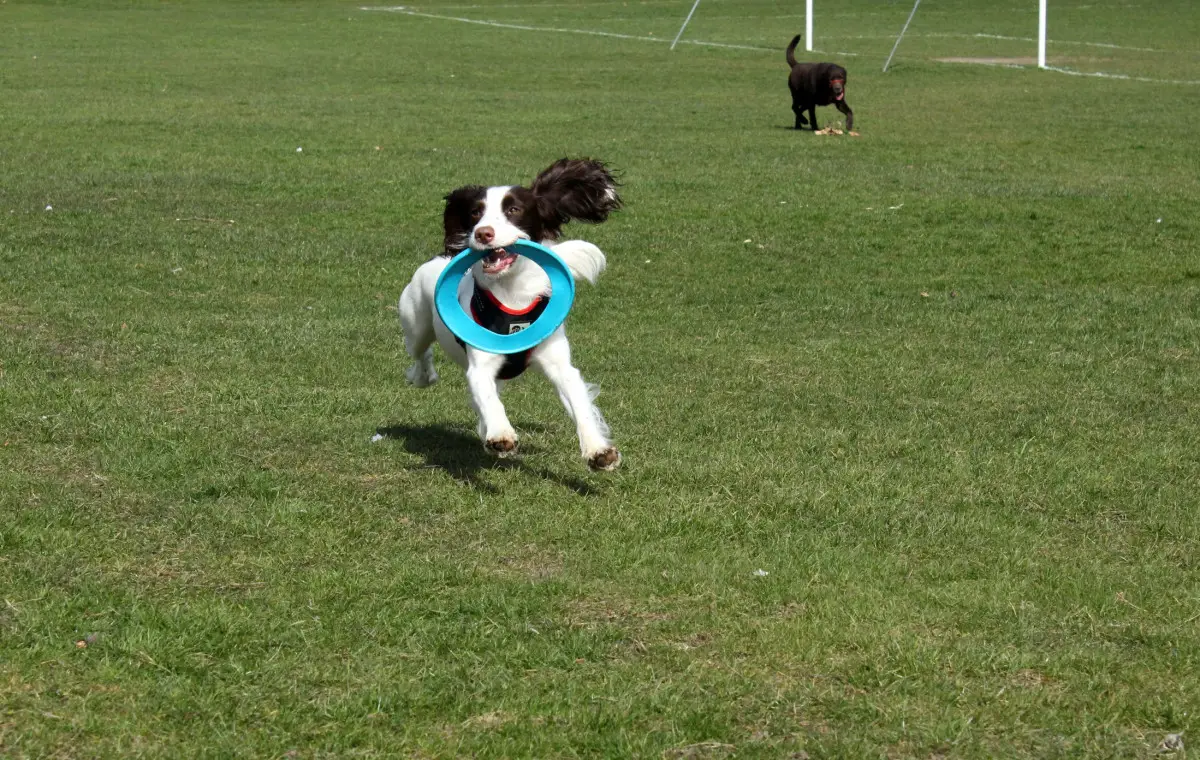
x=1041 y=34
x=1041 y=38
x=808 y=25
x=808 y=21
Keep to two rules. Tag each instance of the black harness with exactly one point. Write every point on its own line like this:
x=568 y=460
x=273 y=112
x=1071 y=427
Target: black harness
x=490 y=314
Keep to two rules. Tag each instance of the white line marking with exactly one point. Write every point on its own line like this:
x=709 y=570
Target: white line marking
x=1105 y=75
x=1014 y=39
x=1074 y=73
x=1063 y=42
x=525 y=28
x=585 y=4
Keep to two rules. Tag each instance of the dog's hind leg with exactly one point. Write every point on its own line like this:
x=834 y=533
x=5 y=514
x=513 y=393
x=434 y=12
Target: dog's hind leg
x=416 y=320
x=553 y=358
x=812 y=117
x=798 y=109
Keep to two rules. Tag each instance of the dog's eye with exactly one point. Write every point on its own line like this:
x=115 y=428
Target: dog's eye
x=513 y=210
x=476 y=214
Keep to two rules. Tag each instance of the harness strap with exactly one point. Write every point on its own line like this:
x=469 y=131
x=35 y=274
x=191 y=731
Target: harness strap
x=490 y=314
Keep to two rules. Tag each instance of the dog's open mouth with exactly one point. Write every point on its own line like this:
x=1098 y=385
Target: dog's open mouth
x=497 y=261
x=839 y=96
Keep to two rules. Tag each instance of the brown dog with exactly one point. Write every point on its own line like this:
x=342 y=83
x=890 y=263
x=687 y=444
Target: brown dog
x=816 y=84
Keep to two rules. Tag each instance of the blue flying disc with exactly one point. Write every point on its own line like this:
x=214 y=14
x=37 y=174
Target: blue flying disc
x=562 y=296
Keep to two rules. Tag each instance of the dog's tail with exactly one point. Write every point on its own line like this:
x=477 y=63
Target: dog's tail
x=585 y=260
x=791 y=51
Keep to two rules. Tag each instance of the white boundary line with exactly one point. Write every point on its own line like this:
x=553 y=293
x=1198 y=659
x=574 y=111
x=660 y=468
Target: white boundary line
x=1107 y=45
x=1072 y=72
x=1103 y=75
x=592 y=32
x=576 y=4
x=526 y=28
x=981 y=35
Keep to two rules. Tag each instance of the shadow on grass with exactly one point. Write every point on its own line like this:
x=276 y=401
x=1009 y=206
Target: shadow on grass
x=461 y=455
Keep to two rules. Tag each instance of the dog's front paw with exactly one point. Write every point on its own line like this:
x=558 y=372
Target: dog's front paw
x=501 y=447
x=421 y=376
x=605 y=461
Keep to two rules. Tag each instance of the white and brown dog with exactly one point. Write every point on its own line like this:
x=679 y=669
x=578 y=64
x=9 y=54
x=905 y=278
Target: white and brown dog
x=506 y=292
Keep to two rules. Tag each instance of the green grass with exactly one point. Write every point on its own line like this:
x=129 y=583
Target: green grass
x=946 y=395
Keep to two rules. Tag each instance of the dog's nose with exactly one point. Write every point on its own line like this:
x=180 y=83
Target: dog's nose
x=485 y=235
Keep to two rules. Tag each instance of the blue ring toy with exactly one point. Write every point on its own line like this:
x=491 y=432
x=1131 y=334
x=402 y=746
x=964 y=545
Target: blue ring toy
x=562 y=296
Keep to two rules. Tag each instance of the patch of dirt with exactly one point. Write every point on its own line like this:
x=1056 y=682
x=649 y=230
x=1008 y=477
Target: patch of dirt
x=792 y=610
x=487 y=721
x=642 y=625
x=98 y=353
x=592 y=612
x=15 y=317
x=531 y=563
x=170 y=382
x=1030 y=679
x=695 y=641
x=700 y=749
x=785 y=737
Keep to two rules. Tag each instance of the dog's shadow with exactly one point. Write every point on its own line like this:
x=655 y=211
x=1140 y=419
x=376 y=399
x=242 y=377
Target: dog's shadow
x=460 y=455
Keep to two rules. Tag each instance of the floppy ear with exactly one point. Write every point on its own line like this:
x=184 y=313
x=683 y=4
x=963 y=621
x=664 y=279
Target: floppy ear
x=456 y=219
x=575 y=188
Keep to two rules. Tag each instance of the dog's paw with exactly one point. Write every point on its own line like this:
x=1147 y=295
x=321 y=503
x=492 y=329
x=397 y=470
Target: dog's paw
x=605 y=461
x=501 y=447
x=421 y=377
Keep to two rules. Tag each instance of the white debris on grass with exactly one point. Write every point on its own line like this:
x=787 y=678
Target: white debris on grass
x=760 y=573
x=1172 y=743
x=377 y=438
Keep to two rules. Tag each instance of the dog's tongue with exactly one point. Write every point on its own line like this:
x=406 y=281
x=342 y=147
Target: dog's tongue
x=839 y=96
x=498 y=259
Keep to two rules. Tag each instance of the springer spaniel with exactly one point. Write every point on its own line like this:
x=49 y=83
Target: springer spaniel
x=504 y=289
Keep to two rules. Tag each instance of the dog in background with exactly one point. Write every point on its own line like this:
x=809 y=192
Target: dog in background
x=816 y=84
x=506 y=292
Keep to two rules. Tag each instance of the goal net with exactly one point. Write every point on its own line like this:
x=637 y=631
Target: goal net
x=1157 y=41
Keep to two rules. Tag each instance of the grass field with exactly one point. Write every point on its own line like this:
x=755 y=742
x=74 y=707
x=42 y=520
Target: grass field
x=941 y=383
